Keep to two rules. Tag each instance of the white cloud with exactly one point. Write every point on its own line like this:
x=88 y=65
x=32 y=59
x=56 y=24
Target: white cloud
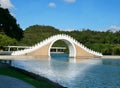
x=6 y=4
x=114 y=28
x=70 y=1
x=52 y=5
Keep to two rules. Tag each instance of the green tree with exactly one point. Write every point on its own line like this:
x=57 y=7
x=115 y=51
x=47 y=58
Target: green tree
x=6 y=41
x=116 y=50
x=9 y=26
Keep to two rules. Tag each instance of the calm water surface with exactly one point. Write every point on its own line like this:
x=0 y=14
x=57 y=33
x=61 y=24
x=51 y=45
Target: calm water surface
x=79 y=73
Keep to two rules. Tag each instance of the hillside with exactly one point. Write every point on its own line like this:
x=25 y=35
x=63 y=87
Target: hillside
x=37 y=33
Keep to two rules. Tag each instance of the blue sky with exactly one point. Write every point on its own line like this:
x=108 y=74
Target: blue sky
x=66 y=14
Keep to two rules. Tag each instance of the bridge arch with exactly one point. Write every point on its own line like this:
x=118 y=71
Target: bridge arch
x=69 y=43
x=76 y=49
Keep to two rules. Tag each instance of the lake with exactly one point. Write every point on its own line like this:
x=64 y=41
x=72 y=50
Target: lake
x=75 y=73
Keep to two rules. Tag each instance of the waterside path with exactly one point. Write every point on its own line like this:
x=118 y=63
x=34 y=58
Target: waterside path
x=6 y=57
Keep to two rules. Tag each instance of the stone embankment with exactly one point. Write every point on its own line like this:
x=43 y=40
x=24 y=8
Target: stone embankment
x=110 y=57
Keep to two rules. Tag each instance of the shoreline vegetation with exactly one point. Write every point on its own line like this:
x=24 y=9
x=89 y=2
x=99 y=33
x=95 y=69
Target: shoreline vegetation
x=31 y=78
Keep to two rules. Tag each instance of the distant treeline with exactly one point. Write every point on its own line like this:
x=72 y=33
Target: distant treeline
x=106 y=42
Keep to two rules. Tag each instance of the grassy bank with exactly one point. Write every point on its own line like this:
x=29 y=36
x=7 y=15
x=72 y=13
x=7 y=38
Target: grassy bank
x=41 y=83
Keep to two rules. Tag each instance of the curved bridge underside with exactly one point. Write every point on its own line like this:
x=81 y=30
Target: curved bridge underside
x=76 y=49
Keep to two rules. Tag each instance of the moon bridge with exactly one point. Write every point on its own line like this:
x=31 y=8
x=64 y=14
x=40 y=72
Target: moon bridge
x=76 y=49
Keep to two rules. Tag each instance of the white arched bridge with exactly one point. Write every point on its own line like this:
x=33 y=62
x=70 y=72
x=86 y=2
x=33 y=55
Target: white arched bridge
x=76 y=49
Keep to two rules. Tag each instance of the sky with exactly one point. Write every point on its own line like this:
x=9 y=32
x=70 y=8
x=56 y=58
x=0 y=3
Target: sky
x=66 y=14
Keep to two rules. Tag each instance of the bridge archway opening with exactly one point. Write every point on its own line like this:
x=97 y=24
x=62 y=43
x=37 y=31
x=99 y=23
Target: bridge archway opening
x=63 y=43
x=59 y=47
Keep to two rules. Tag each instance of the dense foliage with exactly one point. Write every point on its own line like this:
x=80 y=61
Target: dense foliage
x=9 y=26
x=105 y=42
x=5 y=41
